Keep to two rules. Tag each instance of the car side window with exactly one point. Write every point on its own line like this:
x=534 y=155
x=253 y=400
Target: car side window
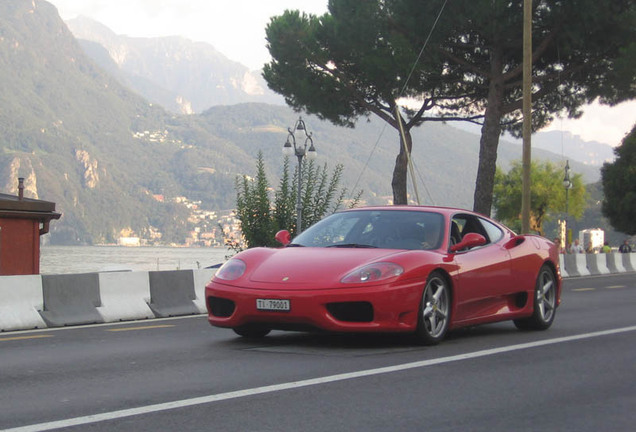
x=463 y=224
x=470 y=224
x=494 y=233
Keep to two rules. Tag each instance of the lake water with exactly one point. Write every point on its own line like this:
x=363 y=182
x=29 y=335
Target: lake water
x=89 y=259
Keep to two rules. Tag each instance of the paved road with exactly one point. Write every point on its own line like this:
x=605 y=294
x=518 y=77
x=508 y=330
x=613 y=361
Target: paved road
x=182 y=375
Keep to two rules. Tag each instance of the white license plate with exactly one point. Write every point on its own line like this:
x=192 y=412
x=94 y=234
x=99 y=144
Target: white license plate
x=272 y=304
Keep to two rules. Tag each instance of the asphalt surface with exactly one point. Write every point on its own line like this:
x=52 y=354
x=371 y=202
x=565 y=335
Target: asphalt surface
x=183 y=375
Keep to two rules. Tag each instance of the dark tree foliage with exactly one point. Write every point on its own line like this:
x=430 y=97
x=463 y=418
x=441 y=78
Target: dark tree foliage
x=362 y=56
x=619 y=185
x=346 y=64
x=582 y=50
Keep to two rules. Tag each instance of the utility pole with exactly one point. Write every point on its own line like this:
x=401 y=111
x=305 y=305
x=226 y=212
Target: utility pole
x=527 y=115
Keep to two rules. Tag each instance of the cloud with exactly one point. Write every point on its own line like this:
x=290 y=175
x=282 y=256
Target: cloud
x=600 y=123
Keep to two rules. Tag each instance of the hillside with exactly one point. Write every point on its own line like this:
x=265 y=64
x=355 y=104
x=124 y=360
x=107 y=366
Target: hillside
x=116 y=164
x=82 y=140
x=183 y=76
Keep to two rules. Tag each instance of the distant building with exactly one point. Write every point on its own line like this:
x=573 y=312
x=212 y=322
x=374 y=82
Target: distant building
x=129 y=241
x=596 y=236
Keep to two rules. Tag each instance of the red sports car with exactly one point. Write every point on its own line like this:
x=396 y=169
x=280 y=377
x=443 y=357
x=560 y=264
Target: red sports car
x=423 y=270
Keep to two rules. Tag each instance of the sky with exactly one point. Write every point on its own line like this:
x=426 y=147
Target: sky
x=236 y=28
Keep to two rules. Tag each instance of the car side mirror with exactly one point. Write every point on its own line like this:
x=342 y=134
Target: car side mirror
x=470 y=240
x=283 y=237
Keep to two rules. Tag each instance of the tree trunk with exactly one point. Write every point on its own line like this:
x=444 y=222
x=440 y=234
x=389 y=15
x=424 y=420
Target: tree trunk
x=400 y=196
x=489 y=141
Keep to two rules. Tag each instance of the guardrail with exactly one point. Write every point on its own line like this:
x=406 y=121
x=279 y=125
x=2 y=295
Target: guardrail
x=573 y=265
x=42 y=301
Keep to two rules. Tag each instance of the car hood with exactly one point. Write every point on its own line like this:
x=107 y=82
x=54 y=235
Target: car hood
x=314 y=266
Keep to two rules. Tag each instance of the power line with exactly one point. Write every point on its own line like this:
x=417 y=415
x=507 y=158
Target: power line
x=410 y=161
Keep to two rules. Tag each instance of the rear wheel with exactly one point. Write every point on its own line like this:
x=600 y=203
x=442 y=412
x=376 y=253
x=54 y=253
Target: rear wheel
x=251 y=331
x=545 y=294
x=434 y=311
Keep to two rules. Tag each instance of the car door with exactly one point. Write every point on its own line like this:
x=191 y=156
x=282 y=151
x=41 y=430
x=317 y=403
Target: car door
x=483 y=273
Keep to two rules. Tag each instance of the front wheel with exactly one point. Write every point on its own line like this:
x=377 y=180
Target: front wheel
x=545 y=302
x=434 y=311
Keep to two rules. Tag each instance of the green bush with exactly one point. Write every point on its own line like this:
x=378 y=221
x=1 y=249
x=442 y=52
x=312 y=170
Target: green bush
x=260 y=219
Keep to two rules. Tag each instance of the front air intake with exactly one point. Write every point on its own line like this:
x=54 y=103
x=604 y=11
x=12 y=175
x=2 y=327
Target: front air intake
x=220 y=307
x=351 y=311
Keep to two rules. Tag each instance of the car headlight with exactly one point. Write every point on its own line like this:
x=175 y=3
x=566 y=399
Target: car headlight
x=373 y=273
x=231 y=270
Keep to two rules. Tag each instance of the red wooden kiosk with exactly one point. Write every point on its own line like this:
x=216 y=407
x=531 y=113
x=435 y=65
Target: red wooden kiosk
x=22 y=222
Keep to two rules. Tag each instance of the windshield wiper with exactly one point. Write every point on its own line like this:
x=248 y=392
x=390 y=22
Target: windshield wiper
x=295 y=245
x=351 y=245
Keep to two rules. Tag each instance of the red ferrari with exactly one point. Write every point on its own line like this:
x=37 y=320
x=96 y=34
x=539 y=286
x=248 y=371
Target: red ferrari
x=423 y=270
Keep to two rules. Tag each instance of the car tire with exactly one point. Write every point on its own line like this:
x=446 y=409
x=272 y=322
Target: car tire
x=434 y=311
x=545 y=302
x=251 y=331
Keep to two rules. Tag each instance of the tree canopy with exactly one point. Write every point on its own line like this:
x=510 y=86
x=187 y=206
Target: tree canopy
x=581 y=51
x=547 y=196
x=362 y=57
x=346 y=64
x=619 y=185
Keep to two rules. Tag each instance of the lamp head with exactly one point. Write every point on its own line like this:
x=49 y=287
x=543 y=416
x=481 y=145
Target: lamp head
x=288 y=150
x=567 y=183
x=311 y=152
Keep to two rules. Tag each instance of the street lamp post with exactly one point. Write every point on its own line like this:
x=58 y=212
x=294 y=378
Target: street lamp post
x=567 y=184
x=290 y=149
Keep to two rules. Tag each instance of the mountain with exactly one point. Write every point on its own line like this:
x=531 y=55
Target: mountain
x=591 y=153
x=182 y=76
x=82 y=140
x=445 y=157
x=116 y=164
x=186 y=77
x=568 y=145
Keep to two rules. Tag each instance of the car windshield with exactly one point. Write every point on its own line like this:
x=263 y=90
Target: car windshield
x=387 y=229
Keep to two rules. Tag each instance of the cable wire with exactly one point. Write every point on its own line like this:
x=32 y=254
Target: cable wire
x=402 y=91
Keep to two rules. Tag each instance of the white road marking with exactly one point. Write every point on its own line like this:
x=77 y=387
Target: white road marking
x=95 y=418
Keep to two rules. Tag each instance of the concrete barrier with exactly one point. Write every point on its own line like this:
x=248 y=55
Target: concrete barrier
x=564 y=272
x=201 y=278
x=172 y=293
x=21 y=302
x=615 y=262
x=629 y=261
x=71 y=299
x=596 y=264
x=124 y=296
x=576 y=265
x=570 y=265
